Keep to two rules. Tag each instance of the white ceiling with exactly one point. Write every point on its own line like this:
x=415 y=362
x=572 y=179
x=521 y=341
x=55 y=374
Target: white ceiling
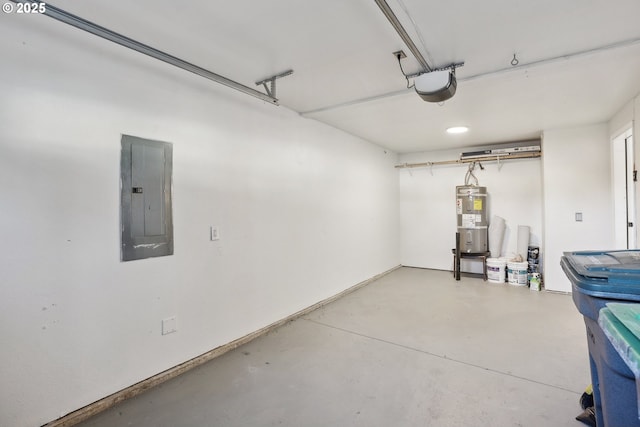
x=579 y=60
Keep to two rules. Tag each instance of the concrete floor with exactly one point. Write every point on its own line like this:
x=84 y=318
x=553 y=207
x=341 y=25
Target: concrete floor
x=415 y=348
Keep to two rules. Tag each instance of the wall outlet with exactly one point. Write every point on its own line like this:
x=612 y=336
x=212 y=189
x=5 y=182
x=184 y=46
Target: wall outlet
x=215 y=233
x=169 y=325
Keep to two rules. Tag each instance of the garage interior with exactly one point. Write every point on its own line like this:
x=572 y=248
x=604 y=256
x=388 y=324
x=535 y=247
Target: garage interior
x=413 y=348
x=312 y=207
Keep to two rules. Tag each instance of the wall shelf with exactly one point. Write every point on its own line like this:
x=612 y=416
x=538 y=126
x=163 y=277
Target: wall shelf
x=496 y=158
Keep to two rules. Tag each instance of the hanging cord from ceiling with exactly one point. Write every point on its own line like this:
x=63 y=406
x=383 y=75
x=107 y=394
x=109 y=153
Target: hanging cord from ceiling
x=400 y=54
x=470 y=173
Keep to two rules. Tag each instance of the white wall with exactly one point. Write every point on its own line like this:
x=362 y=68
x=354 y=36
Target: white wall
x=304 y=211
x=573 y=176
x=576 y=178
x=428 y=205
x=624 y=117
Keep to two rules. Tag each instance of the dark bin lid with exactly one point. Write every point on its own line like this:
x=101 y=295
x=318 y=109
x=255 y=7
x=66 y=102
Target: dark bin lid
x=604 y=273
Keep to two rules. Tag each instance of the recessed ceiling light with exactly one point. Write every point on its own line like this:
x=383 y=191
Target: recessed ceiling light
x=457 y=129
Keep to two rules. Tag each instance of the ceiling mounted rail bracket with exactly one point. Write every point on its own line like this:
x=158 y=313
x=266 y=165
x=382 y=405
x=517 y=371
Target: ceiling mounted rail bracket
x=82 y=24
x=451 y=67
x=271 y=88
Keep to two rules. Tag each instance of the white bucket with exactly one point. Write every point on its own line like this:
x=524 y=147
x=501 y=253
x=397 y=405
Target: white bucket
x=517 y=273
x=496 y=270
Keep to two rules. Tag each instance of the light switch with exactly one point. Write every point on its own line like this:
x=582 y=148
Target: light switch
x=215 y=233
x=578 y=216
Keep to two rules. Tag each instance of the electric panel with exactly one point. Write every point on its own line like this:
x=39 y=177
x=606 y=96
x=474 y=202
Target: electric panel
x=145 y=190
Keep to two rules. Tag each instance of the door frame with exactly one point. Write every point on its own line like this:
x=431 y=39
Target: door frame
x=623 y=177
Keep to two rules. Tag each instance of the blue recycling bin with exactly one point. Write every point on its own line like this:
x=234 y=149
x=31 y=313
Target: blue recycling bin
x=599 y=278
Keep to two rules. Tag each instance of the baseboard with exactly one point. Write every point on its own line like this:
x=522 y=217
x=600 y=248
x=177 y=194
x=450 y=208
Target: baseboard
x=429 y=268
x=553 y=291
x=105 y=403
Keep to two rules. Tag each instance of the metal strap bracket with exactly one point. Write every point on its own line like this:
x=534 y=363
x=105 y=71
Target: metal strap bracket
x=271 y=88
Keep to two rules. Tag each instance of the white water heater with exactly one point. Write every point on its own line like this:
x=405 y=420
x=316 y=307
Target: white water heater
x=471 y=208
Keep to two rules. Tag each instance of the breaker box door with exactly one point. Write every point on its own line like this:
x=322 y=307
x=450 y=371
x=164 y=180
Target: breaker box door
x=146 y=223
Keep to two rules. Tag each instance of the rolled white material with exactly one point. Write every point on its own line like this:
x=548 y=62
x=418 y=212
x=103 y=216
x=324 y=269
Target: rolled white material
x=496 y=236
x=523 y=241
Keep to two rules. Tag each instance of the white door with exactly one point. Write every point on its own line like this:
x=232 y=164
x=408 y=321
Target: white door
x=624 y=191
